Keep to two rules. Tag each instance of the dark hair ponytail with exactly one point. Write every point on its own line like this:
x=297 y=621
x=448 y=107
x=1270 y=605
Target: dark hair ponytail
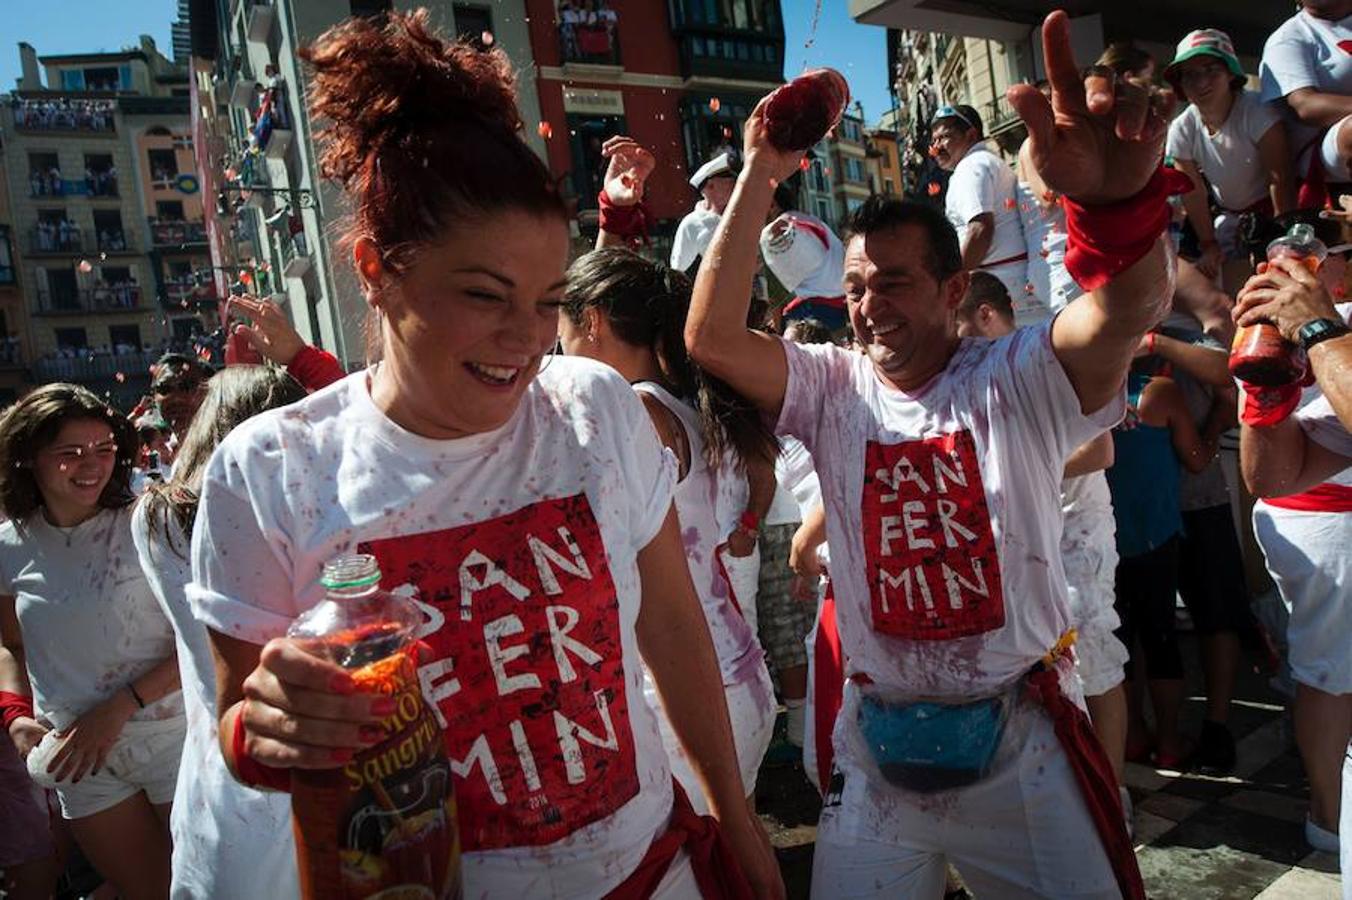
x=646 y=303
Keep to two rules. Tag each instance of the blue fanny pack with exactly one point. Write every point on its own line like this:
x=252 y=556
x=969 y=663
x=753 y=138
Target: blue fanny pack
x=928 y=747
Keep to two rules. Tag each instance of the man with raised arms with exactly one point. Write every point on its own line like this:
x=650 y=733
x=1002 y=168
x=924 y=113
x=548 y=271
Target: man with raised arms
x=939 y=461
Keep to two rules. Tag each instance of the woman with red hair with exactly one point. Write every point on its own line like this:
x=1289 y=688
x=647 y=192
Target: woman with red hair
x=525 y=499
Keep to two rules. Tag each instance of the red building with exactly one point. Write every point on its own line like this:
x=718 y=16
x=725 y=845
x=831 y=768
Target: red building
x=679 y=76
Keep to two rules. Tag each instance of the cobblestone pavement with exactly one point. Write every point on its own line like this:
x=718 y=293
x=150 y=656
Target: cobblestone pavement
x=1198 y=837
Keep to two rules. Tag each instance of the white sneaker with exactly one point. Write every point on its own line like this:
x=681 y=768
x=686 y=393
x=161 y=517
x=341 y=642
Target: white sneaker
x=1129 y=816
x=1319 y=838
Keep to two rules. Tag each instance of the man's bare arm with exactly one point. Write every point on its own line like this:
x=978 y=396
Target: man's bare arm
x=977 y=241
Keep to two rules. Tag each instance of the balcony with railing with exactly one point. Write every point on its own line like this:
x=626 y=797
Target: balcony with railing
x=295 y=255
x=87 y=366
x=188 y=293
x=1000 y=116
x=80 y=301
x=11 y=353
x=111 y=240
x=47 y=238
x=589 y=37
x=96 y=184
x=65 y=114
x=168 y=233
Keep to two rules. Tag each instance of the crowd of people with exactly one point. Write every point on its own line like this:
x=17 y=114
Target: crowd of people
x=938 y=505
x=97 y=183
x=64 y=114
x=58 y=235
x=587 y=28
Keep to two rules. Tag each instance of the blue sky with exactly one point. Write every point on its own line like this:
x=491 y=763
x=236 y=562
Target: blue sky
x=859 y=52
x=75 y=26
x=80 y=26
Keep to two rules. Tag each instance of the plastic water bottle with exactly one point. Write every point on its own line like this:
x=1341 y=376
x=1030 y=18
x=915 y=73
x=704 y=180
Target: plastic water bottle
x=384 y=823
x=1259 y=354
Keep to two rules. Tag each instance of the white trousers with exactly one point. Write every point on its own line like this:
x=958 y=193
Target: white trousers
x=1024 y=831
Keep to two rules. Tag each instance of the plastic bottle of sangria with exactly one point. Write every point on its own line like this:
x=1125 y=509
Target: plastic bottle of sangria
x=801 y=112
x=384 y=824
x=1259 y=354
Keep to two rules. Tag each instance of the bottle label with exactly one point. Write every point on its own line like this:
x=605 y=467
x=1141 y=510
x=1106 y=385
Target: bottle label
x=385 y=824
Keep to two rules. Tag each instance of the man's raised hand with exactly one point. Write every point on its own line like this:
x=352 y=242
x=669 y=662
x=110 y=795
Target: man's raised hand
x=1100 y=138
x=630 y=166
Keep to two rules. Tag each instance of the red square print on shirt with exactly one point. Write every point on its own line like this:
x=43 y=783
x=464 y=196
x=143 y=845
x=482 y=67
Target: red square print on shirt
x=932 y=566
x=528 y=675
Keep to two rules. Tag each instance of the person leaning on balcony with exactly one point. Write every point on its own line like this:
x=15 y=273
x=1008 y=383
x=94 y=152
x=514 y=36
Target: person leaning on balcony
x=982 y=205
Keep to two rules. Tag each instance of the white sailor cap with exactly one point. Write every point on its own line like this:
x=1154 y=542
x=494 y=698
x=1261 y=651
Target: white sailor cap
x=719 y=165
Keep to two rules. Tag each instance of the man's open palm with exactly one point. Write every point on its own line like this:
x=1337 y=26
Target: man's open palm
x=1099 y=139
x=630 y=166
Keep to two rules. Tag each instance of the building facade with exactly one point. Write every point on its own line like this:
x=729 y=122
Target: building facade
x=272 y=226
x=850 y=165
x=931 y=69
x=15 y=348
x=680 y=77
x=884 y=157
x=98 y=155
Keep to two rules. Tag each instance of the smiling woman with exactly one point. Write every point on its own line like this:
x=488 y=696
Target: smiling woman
x=515 y=501
x=93 y=704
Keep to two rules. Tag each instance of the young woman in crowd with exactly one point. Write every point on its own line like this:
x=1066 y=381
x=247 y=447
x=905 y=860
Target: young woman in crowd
x=1234 y=139
x=629 y=313
x=501 y=489
x=1144 y=482
x=208 y=861
x=88 y=678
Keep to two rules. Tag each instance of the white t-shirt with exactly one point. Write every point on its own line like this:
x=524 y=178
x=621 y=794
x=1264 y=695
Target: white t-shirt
x=1086 y=494
x=1305 y=52
x=212 y=857
x=739 y=653
x=943 y=508
x=90 y=623
x=1324 y=427
x=522 y=544
x=984 y=183
x=1044 y=233
x=1229 y=158
x=693 y=236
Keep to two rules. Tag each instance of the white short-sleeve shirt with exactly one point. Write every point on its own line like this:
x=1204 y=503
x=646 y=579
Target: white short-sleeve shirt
x=90 y=623
x=943 y=508
x=984 y=183
x=212 y=856
x=522 y=545
x=1229 y=158
x=1306 y=52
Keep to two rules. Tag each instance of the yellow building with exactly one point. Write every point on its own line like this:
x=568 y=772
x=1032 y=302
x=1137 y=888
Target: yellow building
x=103 y=202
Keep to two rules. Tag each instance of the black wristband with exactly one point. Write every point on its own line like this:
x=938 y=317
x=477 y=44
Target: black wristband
x=131 y=687
x=1319 y=330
